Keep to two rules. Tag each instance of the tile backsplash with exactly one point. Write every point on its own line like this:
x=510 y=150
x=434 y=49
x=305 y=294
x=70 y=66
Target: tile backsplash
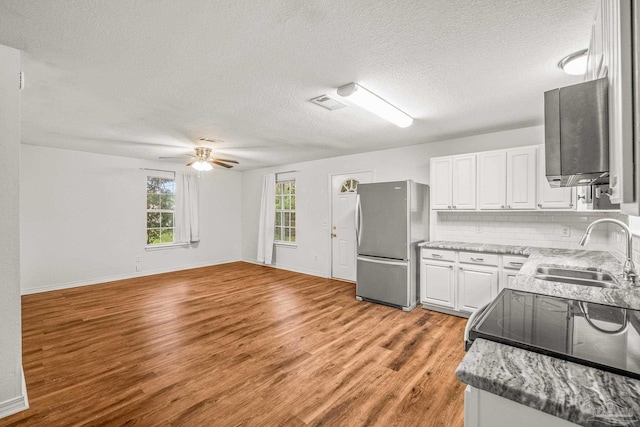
x=543 y=229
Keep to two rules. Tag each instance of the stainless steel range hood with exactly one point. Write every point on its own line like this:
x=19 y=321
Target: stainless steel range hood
x=576 y=121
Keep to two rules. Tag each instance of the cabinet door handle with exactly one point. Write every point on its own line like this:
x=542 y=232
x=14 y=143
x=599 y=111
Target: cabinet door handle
x=508 y=206
x=448 y=207
x=516 y=264
x=477 y=259
x=436 y=255
x=450 y=267
x=540 y=205
x=502 y=206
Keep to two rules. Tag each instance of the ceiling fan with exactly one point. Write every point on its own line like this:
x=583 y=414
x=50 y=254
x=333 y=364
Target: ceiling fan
x=203 y=160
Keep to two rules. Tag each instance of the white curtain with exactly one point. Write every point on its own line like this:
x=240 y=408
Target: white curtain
x=267 y=219
x=186 y=221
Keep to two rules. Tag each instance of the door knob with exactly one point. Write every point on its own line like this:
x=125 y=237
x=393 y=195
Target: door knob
x=334 y=235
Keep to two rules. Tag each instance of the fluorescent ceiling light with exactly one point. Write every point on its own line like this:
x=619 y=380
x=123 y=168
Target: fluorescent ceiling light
x=373 y=103
x=575 y=63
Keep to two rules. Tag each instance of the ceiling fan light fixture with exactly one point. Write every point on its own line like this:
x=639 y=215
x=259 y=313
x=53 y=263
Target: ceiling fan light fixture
x=575 y=63
x=374 y=104
x=202 y=166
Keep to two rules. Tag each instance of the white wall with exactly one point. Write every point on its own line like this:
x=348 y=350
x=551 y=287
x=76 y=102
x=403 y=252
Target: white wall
x=83 y=219
x=10 y=321
x=312 y=186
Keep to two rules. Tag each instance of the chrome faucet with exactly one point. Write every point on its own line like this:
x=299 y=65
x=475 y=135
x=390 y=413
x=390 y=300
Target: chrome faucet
x=629 y=269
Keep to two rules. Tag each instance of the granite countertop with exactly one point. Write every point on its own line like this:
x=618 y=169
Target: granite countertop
x=576 y=393
x=580 y=394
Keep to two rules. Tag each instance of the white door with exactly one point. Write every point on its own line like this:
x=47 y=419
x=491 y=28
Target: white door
x=343 y=229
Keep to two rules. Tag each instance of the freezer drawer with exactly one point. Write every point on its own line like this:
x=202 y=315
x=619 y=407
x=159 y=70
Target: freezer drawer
x=385 y=281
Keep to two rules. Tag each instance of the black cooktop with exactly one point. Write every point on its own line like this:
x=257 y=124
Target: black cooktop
x=596 y=335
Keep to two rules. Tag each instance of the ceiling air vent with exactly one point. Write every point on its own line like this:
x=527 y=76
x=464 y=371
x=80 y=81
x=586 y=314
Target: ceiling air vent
x=327 y=102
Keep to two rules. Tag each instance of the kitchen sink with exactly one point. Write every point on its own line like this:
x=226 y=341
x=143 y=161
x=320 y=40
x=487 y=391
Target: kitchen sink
x=574 y=276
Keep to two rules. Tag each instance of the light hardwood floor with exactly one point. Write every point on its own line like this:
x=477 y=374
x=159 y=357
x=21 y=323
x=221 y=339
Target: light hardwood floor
x=235 y=344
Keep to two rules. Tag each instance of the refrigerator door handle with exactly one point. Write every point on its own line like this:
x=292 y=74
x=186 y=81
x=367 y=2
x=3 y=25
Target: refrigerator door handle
x=358 y=220
x=382 y=260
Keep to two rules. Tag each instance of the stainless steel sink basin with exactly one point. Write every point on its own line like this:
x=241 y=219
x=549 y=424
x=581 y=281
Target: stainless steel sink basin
x=574 y=276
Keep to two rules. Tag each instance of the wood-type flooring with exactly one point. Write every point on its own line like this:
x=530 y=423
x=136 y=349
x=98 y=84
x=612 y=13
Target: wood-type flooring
x=235 y=345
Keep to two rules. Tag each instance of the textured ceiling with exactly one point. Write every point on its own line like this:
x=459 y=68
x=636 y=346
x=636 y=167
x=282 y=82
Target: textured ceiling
x=147 y=78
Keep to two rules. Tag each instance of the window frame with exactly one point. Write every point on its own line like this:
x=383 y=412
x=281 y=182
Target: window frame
x=281 y=213
x=160 y=245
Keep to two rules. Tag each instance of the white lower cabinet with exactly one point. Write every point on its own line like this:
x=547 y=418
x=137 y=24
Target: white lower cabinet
x=477 y=285
x=459 y=282
x=438 y=284
x=484 y=409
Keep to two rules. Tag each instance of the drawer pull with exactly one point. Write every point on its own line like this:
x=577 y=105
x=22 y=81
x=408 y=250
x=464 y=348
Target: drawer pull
x=477 y=259
x=516 y=264
x=436 y=255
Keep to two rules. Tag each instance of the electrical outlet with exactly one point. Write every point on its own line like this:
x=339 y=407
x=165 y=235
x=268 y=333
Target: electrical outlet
x=138 y=267
x=316 y=258
x=565 y=231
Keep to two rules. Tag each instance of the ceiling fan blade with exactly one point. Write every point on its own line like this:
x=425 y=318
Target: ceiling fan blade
x=227 y=161
x=220 y=163
x=192 y=162
x=180 y=157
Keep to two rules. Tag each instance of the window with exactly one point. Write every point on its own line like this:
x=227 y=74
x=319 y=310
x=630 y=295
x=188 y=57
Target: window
x=285 y=212
x=349 y=186
x=160 y=210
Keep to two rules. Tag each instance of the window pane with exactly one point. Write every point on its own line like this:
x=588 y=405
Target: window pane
x=153 y=201
x=286 y=235
x=292 y=219
x=167 y=202
x=278 y=218
x=293 y=234
x=153 y=185
x=153 y=219
x=293 y=187
x=279 y=188
x=286 y=218
x=168 y=186
x=278 y=202
x=278 y=233
x=287 y=188
x=167 y=220
x=287 y=202
x=166 y=235
x=293 y=202
x=153 y=236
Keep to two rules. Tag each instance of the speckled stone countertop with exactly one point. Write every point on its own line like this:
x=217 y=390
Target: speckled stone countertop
x=475 y=247
x=576 y=393
x=580 y=394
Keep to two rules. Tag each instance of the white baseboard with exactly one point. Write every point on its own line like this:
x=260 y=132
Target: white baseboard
x=290 y=268
x=17 y=404
x=67 y=285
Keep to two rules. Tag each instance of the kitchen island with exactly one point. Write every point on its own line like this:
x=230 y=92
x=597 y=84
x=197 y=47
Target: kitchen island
x=538 y=385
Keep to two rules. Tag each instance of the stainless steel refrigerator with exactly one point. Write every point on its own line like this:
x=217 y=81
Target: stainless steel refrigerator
x=391 y=219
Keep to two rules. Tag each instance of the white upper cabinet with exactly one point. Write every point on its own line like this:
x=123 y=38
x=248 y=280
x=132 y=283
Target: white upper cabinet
x=492 y=191
x=441 y=183
x=548 y=197
x=464 y=182
x=453 y=182
x=507 y=179
x=521 y=178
